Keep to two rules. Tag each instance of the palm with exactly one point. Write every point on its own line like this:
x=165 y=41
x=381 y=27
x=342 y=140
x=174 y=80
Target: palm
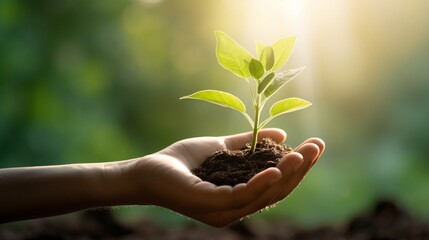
x=192 y=152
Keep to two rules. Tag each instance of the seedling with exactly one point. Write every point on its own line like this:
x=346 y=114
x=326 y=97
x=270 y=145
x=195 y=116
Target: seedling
x=266 y=81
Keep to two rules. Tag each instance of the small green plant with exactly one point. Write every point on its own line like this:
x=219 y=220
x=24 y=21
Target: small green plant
x=267 y=82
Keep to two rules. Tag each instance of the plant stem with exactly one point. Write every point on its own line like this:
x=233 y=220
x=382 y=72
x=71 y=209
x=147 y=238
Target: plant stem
x=256 y=122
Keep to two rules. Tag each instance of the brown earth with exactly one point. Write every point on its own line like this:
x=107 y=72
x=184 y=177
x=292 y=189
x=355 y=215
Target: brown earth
x=231 y=167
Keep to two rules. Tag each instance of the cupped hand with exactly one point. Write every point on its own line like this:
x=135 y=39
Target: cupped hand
x=165 y=179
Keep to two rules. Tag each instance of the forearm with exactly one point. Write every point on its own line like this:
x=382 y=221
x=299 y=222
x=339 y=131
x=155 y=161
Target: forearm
x=32 y=192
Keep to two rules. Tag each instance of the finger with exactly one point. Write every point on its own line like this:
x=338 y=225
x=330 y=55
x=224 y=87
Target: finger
x=208 y=197
x=230 y=207
x=244 y=193
x=288 y=166
x=216 y=198
x=267 y=177
x=244 y=200
x=321 y=144
x=310 y=153
x=256 y=186
x=237 y=141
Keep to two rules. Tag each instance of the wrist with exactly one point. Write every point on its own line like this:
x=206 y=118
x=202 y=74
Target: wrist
x=115 y=186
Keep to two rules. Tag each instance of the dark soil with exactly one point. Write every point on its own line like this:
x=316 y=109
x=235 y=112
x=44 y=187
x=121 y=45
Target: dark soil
x=385 y=221
x=231 y=167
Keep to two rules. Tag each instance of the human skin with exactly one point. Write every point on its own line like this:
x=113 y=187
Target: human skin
x=162 y=179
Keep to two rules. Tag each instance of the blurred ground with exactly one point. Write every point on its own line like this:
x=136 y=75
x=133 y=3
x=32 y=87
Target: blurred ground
x=384 y=221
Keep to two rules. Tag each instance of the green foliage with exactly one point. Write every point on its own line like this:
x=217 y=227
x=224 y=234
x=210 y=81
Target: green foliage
x=256 y=69
x=239 y=61
x=232 y=56
x=288 y=105
x=266 y=82
x=282 y=50
x=281 y=80
x=267 y=58
x=223 y=99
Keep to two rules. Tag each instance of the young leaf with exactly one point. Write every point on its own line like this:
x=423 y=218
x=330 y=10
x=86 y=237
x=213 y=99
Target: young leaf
x=282 y=50
x=256 y=69
x=265 y=82
x=288 y=105
x=281 y=79
x=259 y=47
x=223 y=99
x=230 y=55
x=267 y=58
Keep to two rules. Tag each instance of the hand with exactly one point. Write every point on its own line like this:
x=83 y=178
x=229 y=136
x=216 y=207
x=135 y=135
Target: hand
x=165 y=179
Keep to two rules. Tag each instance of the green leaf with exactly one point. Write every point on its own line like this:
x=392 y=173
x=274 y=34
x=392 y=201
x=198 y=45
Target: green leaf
x=282 y=50
x=256 y=69
x=259 y=47
x=265 y=82
x=281 y=79
x=288 y=105
x=267 y=58
x=223 y=99
x=230 y=55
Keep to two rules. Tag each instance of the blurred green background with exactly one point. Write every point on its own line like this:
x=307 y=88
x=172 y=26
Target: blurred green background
x=92 y=81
